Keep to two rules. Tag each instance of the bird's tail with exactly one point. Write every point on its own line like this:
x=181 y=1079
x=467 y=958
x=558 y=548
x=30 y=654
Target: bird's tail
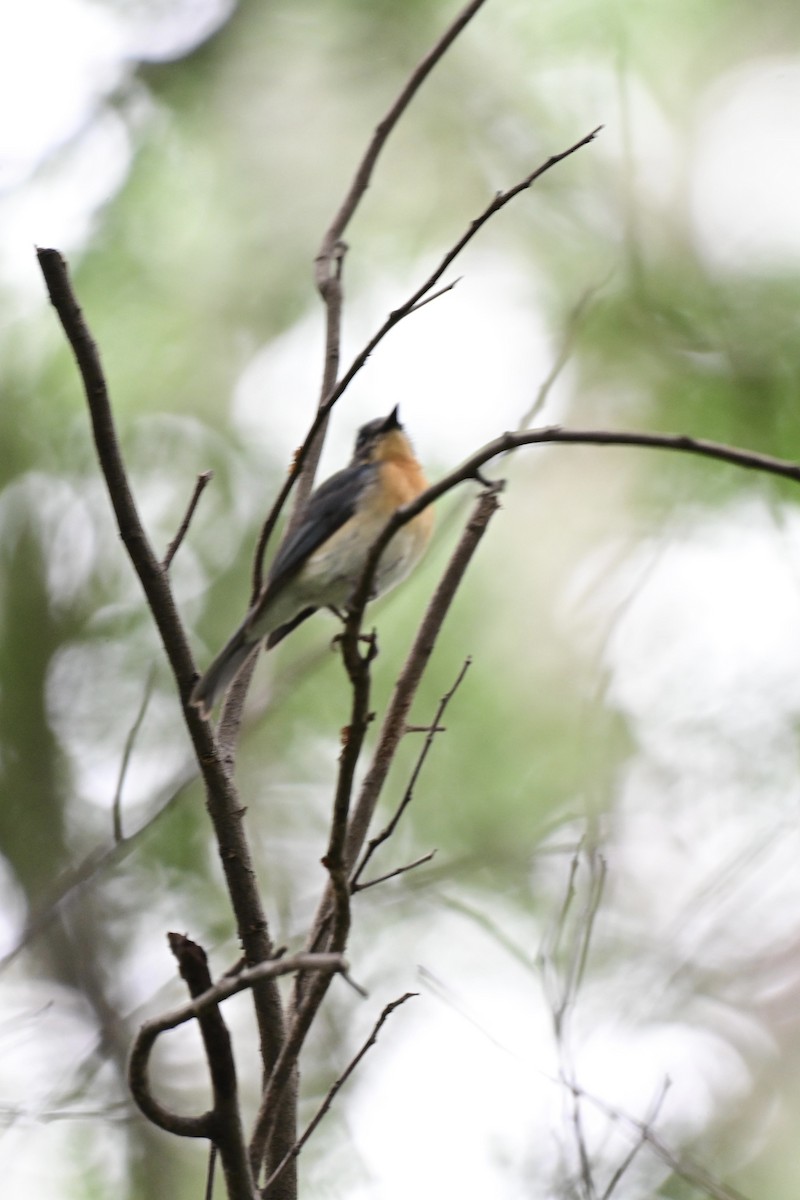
x=222 y=672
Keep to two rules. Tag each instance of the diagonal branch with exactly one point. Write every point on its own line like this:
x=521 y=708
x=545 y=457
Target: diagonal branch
x=418 y=862
x=408 y=795
x=363 y=174
x=339 y=1084
x=201 y=483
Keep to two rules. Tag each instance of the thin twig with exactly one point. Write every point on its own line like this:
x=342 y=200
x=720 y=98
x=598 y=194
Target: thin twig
x=384 y=127
x=337 y=1086
x=90 y=869
x=552 y=434
x=650 y=1119
x=418 y=862
x=406 y=687
x=684 y=1167
x=408 y=795
x=413 y=302
x=230 y=985
x=127 y=751
x=435 y=295
x=202 y=482
x=150 y=1031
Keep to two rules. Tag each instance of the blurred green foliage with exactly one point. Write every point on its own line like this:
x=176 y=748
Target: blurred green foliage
x=240 y=152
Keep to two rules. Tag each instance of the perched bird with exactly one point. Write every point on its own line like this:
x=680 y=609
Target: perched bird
x=320 y=563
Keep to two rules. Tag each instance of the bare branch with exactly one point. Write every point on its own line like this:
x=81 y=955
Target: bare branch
x=448 y=287
x=230 y=985
x=202 y=482
x=363 y=174
x=358 y=670
x=413 y=303
x=337 y=1086
x=222 y=801
x=211 y=997
x=408 y=795
x=650 y=1119
x=554 y=434
x=91 y=868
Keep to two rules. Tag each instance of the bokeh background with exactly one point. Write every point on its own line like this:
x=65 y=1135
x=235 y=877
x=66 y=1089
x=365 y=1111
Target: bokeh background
x=608 y=934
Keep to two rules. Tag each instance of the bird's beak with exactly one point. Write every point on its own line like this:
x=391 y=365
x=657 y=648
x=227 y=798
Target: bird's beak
x=393 y=420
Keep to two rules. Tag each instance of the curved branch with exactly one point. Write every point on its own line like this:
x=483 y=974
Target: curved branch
x=750 y=460
x=138 y=1064
x=227 y=1135
x=338 y=1085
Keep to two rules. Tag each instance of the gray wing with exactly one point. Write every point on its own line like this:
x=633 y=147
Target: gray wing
x=327 y=510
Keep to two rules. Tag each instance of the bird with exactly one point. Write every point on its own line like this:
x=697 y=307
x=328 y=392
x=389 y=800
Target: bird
x=322 y=559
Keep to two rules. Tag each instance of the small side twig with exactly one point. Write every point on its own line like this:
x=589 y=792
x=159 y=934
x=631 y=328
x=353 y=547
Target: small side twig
x=202 y=482
x=210 y=1172
x=448 y=287
x=338 y=1085
x=408 y=795
x=418 y=862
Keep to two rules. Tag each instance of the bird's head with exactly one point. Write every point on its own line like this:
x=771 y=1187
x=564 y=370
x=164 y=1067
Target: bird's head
x=382 y=440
